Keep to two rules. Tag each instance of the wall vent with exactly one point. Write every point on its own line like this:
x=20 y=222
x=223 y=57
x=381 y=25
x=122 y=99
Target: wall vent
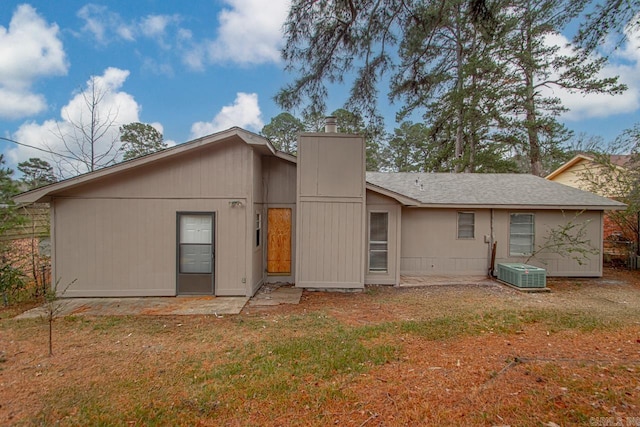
x=522 y=275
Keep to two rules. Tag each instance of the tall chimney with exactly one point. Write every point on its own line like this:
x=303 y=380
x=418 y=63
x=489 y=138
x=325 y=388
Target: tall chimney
x=331 y=124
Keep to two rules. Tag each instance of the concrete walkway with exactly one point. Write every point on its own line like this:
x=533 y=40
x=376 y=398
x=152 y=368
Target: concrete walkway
x=418 y=281
x=268 y=295
x=148 y=306
x=276 y=294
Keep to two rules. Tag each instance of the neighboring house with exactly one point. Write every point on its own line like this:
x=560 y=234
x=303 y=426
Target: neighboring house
x=584 y=172
x=225 y=213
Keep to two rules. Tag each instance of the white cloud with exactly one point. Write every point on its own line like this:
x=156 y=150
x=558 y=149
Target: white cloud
x=15 y=104
x=584 y=106
x=154 y=26
x=103 y=24
x=250 y=32
x=244 y=113
x=29 y=50
x=106 y=26
x=115 y=106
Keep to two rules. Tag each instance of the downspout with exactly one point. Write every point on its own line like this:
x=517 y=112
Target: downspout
x=492 y=249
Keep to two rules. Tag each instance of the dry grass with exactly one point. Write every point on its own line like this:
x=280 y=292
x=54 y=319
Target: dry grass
x=433 y=356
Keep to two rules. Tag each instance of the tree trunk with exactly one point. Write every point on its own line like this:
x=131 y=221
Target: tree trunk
x=459 y=147
x=530 y=104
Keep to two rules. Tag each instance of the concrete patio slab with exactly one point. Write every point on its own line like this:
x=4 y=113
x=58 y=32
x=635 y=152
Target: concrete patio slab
x=147 y=306
x=418 y=281
x=275 y=295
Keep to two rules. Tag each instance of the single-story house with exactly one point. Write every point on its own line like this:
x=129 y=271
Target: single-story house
x=223 y=214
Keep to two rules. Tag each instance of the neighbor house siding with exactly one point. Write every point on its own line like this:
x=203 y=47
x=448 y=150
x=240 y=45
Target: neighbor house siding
x=117 y=237
x=573 y=176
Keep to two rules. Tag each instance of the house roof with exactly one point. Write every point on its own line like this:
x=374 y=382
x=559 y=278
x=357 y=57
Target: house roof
x=516 y=191
x=620 y=160
x=254 y=140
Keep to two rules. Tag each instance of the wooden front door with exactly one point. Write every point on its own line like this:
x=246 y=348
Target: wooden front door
x=279 y=241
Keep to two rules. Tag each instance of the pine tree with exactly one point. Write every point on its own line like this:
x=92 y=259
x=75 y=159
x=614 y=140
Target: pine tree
x=140 y=139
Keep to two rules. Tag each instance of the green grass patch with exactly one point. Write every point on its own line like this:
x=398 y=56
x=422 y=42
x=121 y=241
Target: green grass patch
x=274 y=364
x=503 y=322
x=342 y=351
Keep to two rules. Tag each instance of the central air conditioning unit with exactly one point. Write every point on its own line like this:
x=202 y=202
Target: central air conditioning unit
x=522 y=275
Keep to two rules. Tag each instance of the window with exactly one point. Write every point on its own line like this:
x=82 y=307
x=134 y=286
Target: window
x=258 y=228
x=466 y=225
x=378 y=241
x=195 y=243
x=521 y=234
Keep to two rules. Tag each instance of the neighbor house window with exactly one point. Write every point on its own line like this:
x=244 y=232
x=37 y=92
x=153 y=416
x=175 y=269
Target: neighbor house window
x=466 y=225
x=258 y=228
x=521 y=234
x=378 y=241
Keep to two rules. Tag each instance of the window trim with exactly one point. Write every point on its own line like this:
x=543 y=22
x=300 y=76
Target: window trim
x=473 y=225
x=370 y=242
x=532 y=235
x=258 y=225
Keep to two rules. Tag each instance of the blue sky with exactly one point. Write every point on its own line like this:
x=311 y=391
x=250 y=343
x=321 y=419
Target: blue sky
x=190 y=68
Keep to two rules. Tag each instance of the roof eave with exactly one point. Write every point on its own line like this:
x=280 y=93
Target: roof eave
x=43 y=194
x=522 y=207
x=577 y=158
x=402 y=199
x=286 y=156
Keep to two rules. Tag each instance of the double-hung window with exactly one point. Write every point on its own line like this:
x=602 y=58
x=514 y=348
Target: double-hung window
x=466 y=225
x=378 y=241
x=521 y=234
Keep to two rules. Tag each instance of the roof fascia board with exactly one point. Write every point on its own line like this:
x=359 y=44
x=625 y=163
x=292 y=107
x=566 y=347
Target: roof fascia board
x=41 y=194
x=286 y=156
x=577 y=158
x=525 y=207
x=407 y=201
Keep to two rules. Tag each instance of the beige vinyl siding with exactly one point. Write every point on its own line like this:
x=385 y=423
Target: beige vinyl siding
x=280 y=192
x=113 y=247
x=220 y=170
x=257 y=251
x=331 y=245
x=330 y=248
x=117 y=236
x=555 y=264
x=279 y=181
x=430 y=245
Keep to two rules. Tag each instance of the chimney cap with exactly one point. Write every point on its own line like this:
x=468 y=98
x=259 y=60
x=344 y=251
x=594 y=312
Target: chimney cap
x=331 y=124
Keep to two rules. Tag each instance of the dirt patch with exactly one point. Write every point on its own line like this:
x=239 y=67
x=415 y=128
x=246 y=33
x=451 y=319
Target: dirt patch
x=453 y=355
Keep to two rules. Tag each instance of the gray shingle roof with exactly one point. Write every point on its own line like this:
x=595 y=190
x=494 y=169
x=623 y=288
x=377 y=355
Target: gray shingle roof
x=490 y=190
